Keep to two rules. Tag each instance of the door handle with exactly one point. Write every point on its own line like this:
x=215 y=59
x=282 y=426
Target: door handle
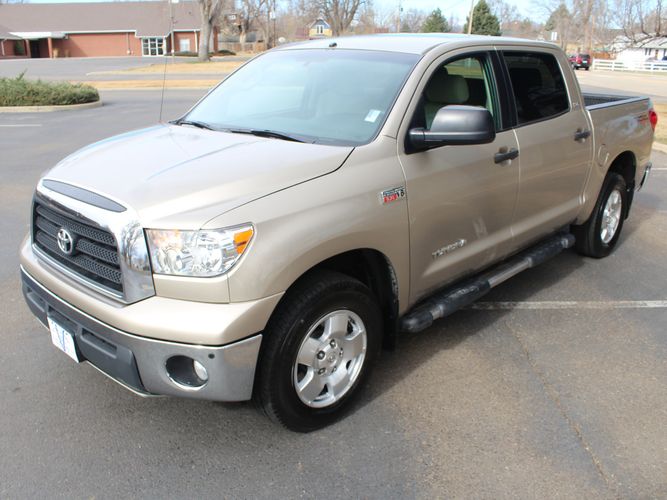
x=502 y=156
x=581 y=135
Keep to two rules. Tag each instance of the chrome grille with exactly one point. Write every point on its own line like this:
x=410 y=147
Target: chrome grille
x=95 y=254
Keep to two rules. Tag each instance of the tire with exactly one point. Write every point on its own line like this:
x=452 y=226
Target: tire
x=298 y=357
x=598 y=236
x=587 y=68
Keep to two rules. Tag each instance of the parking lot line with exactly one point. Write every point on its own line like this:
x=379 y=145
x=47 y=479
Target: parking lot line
x=572 y=304
x=10 y=125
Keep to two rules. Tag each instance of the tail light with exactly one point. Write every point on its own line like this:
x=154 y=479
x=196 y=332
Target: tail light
x=653 y=118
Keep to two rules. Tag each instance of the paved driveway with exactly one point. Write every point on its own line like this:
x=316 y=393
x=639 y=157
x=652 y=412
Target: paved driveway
x=555 y=387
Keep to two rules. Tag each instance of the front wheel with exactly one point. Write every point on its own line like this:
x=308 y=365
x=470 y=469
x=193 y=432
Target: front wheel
x=598 y=236
x=318 y=348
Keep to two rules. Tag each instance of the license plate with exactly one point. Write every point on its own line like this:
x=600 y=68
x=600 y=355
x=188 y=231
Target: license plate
x=63 y=339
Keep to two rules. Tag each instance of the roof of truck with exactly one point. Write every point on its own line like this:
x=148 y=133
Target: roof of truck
x=411 y=43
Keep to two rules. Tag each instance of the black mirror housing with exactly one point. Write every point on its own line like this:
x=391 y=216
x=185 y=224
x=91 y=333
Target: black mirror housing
x=455 y=125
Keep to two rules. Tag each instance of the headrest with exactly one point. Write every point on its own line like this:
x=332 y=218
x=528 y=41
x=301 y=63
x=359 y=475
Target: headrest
x=447 y=89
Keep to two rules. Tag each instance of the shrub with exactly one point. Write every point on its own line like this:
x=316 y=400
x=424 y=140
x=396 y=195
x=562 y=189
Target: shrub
x=21 y=92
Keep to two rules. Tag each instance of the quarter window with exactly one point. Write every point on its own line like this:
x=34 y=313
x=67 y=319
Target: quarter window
x=538 y=86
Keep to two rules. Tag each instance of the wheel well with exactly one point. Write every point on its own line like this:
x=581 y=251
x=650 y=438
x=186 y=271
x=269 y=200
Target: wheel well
x=625 y=165
x=374 y=270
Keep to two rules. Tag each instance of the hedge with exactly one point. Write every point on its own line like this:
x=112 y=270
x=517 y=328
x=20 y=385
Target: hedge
x=22 y=92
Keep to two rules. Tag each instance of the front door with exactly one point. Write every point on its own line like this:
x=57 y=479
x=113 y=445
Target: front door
x=460 y=201
x=34 y=49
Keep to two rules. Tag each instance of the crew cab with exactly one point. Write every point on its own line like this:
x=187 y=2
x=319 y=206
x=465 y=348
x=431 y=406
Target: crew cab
x=320 y=201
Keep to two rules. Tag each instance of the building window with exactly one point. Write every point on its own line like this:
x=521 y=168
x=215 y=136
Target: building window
x=320 y=29
x=153 y=46
x=184 y=45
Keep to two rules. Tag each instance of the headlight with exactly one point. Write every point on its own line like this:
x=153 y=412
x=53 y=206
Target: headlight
x=203 y=253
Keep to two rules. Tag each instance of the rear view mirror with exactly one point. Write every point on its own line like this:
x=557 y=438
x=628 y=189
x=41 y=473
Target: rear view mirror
x=455 y=125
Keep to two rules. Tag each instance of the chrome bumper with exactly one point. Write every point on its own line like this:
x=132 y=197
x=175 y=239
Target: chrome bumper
x=139 y=363
x=647 y=172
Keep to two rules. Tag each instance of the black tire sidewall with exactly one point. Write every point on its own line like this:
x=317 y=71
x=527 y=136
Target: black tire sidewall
x=278 y=386
x=613 y=182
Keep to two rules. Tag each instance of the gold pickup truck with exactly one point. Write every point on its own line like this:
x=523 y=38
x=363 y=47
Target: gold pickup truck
x=321 y=200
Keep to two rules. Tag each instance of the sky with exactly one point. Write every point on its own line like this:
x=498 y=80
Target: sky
x=457 y=8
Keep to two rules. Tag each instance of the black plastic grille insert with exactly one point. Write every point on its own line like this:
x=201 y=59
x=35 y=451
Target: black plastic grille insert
x=95 y=254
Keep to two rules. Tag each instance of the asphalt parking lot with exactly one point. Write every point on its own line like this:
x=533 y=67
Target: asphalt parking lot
x=554 y=387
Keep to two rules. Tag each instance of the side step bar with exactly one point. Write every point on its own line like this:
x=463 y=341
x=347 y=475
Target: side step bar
x=452 y=299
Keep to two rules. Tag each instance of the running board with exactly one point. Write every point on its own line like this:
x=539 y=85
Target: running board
x=451 y=300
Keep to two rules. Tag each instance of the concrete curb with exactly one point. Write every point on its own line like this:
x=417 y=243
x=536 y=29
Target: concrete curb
x=660 y=147
x=48 y=109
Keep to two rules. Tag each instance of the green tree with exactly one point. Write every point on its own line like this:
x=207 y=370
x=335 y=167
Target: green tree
x=435 y=23
x=484 y=22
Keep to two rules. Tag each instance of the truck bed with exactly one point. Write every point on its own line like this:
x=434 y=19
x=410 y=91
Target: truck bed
x=594 y=101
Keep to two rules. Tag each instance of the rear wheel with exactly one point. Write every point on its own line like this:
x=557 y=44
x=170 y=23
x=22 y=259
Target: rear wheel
x=598 y=236
x=318 y=348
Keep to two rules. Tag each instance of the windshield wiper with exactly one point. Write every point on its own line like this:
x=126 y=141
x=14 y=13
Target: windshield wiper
x=264 y=133
x=194 y=123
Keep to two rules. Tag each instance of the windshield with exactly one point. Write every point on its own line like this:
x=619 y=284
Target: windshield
x=325 y=96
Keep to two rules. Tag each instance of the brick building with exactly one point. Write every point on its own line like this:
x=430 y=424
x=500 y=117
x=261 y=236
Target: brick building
x=99 y=29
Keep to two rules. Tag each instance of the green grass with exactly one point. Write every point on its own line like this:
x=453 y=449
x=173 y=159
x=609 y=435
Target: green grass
x=21 y=92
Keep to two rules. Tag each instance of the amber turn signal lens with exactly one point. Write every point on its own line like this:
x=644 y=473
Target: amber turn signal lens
x=241 y=240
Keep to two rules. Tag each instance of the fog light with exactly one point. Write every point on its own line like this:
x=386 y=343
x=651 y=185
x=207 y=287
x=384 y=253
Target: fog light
x=200 y=370
x=186 y=372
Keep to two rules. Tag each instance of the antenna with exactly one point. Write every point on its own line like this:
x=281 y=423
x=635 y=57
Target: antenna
x=166 y=58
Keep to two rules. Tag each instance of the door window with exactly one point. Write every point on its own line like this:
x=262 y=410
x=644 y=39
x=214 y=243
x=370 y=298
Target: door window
x=464 y=81
x=538 y=86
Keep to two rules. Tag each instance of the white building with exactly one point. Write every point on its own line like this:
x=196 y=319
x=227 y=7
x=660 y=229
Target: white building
x=649 y=49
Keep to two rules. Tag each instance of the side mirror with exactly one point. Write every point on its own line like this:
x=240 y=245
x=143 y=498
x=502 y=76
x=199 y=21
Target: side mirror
x=455 y=125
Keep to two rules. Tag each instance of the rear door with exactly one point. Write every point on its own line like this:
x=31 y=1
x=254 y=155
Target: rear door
x=460 y=200
x=554 y=138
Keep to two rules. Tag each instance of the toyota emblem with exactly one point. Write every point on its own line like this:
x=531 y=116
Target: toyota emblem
x=65 y=241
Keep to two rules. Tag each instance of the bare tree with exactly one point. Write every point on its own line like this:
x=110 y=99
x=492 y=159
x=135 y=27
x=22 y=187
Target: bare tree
x=641 y=19
x=412 y=20
x=210 y=12
x=339 y=13
x=507 y=14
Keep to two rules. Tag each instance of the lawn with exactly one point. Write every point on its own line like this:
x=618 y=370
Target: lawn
x=183 y=68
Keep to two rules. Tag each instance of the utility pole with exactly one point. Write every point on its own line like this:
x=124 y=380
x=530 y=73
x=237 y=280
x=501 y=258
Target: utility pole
x=171 y=29
x=398 y=18
x=472 y=10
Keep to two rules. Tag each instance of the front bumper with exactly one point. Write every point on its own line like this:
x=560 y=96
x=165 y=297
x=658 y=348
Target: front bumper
x=139 y=363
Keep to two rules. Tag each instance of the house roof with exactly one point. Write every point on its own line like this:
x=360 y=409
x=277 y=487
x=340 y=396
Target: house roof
x=319 y=20
x=649 y=42
x=6 y=35
x=146 y=18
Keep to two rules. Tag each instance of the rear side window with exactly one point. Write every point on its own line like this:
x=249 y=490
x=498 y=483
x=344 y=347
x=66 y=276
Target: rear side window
x=538 y=85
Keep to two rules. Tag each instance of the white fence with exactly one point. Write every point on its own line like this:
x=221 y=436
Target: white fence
x=649 y=66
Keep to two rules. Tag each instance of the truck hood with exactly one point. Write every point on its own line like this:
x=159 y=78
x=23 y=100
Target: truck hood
x=181 y=177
